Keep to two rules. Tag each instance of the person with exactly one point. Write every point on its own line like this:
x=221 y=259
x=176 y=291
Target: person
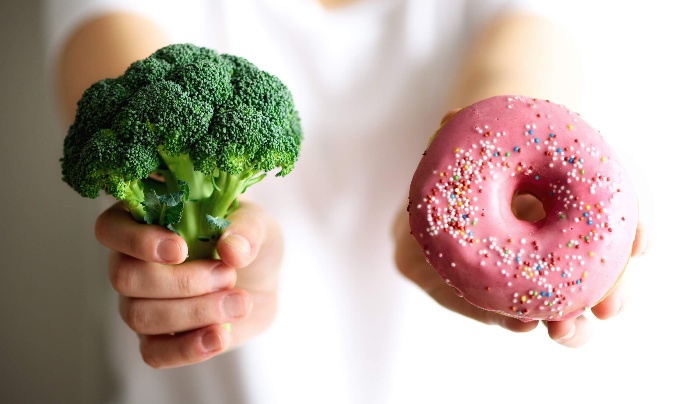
x=307 y=273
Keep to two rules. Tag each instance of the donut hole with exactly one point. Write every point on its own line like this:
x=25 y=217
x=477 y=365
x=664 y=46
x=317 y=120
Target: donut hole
x=527 y=207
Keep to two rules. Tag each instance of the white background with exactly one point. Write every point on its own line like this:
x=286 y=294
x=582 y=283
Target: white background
x=641 y=91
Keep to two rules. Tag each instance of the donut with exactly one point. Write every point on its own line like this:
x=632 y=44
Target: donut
x=553 y=267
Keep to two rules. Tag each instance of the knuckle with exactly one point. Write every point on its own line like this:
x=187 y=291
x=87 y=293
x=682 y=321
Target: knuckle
x=159 y=354
x=407 y=267
x=400 y=261
x=403 y=259
x=200 y=312
x=102 y=223
x=149 y=357
x=136 y=316
x=121 y=277
x=135 y=243
x=99 y=228
x=183 y=353
x=185 y=283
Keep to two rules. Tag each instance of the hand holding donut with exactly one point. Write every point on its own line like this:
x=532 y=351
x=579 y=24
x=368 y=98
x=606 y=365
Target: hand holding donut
x=188 y=312
x=522 y=213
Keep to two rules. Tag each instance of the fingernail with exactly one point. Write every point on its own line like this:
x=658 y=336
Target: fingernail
x=240 y=243
x=235 y=305
x=211 y=341
x=221 y=277
x=169 y=250
x=569 y=335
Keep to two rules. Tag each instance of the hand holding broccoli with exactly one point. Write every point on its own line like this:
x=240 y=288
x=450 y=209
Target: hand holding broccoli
x=179 y=136
x=177 y=310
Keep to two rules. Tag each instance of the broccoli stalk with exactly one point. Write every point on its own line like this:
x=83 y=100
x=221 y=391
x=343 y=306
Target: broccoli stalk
x=179 y=136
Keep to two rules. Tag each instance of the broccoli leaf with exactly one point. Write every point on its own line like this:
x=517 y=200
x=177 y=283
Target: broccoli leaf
x=217 y=223
x=165 y=210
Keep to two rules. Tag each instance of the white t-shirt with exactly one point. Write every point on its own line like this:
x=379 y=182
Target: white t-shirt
x=370 y=82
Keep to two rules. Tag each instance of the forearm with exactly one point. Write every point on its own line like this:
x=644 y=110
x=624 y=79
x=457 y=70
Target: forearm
x=520 y=54
x=102 y=47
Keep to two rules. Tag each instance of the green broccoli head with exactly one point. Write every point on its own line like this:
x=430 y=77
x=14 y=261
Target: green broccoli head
x=188 y=118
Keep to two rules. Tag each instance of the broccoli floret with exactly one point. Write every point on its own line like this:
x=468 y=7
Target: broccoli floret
x=179 y=136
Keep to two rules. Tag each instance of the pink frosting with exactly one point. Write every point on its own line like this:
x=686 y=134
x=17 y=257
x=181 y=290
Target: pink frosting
x=460 y=209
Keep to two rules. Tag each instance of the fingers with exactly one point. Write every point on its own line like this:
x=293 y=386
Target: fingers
x=188 y=347
x=136 y=278
x=445 y=295
x=435 y=287
x=570 y=333
x=252 y=242
x=411 y=263
x=167 y=351
x=177 y=310
x=163 y=316
x=576 y=332
x=242 y=239
x=118 y=231
x=612 y=304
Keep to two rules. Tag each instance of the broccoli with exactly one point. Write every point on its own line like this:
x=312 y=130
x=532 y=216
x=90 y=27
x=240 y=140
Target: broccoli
x=179 y=136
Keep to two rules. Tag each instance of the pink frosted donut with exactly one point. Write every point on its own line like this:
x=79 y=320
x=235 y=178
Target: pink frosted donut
x=460 y=209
